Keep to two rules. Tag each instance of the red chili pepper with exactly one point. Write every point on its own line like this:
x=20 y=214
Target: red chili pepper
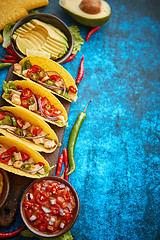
x=80 y=72
x=2 y=115
x=12 y=51
x=9 y=60
x=9 y=51
x=27 y=204
x=37 y=130
x=60 y=163
x=70 y=58
x=66 y=177
x=93 y=30
x=72 y=89
x=11 y=234
x=65 y=156
x=55 y=190
x=41 y=216
x=55 y=209
x=66 y=197
x=41 y=163
x=43 y=227
x=5 y=157
x=41 y=197
x=27 y=93
x=68 y=216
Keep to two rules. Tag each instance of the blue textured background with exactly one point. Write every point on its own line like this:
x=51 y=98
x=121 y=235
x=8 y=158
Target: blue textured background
x=117 y=151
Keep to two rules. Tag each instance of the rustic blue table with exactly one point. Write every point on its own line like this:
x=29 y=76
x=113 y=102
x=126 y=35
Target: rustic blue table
x=117 y=151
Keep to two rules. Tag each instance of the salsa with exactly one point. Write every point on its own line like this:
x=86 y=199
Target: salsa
x=48 y=206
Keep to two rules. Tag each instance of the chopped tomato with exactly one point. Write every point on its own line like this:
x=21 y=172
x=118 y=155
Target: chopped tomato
x=27 y=204
x=19 y=87
x=36 y=130
x=24 y=102
x=68 y=216
x=55 y=77
x=72 y=89
x=2 y=115
x=43 y=227
x=41 y=163
x=27 y=93
x=41 y=216
x=41 y=197
x=55 y=209
x=20 y=122
x=25 y=156
x=57 y=111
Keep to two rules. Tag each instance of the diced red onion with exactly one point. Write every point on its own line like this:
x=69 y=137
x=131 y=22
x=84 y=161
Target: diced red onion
x=46 y=210
x=62 y=225
x=61 y=211
x=69 y=207
x=51 y=221
x=61 y=186
x=53 y=201
x=29 y=196
x=48 y=86
x=42 y=112
x=29 y=138
x=32 y=218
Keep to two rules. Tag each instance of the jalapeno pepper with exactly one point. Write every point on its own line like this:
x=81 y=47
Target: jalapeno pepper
x=73 y=138
x=26 y=166
x=72 y=89
x=41 y=197
x=43 y=227
x=34 y=77
x=30 y=101
x=41 y=73
x=18 y=131
x=49 y=82
x=14 y=121
x=41 y=216
x=27 y=93
x=55 y=209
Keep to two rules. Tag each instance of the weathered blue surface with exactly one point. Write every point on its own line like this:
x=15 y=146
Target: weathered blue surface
x=117 y=151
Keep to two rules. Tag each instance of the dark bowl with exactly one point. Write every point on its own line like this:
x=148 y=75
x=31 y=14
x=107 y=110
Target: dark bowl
x=75 y=213
x=6 y=186
x=47 y=18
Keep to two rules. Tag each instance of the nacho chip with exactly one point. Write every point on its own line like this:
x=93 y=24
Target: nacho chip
x=32 y=4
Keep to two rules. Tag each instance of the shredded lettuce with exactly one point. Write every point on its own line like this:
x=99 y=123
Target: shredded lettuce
x=78 y=40
x=7 y=34
x=66 y=236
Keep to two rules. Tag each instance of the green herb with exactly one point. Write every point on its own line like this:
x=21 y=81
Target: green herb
x=66 y=236
x=27 y=65
x=7 y=34
x=32 y=12
x=8 y=86
x=78 y=40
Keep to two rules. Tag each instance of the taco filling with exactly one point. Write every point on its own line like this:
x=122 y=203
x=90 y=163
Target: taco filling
x=49 y=79
x=21 y=160
x=33 y=102
x=25 y=130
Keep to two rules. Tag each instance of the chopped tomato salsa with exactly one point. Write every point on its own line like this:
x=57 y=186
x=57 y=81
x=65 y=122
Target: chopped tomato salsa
x=48 y=206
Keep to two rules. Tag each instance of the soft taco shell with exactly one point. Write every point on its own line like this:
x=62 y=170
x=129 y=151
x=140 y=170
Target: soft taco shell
x=9 y=142
x=43 y=92
x=49 y=65
x=33 y=120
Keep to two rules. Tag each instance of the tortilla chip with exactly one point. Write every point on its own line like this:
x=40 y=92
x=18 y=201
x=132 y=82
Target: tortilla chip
x=10 y=11
x=24 y=148
x=32 y=4
x=33 y=120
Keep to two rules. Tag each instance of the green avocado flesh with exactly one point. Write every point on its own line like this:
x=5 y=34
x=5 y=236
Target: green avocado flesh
x=93 y=20
x=41 y=37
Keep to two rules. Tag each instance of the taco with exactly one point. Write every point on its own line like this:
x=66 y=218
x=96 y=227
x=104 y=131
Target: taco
x=25 y=127
x=49 y=74
x=22 y=160
x=35 y=98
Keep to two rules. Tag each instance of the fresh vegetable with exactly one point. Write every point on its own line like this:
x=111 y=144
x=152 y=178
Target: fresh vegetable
x=11 y=234
x=59 y=167
x=93 y=30
x=3 y=65
x=65 y=156
x=66 y=236
x=8 y=60
x=71 y=57
x=80 y=72
x=7 y=34
x=73 y=138
x=66 y=177
x=78 y=40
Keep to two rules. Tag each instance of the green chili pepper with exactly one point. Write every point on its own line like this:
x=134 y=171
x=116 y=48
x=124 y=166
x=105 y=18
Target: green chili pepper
x=3 y=65
x=14 y=121
x=73 y=138
x=30 y=101
x=49 y=82
x=18 y=131
x=48 y=106
x=26 y=166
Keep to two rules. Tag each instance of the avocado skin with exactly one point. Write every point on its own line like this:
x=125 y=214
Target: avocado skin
x=86 y=21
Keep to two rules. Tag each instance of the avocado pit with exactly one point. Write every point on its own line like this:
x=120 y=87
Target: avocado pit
x=90 y=6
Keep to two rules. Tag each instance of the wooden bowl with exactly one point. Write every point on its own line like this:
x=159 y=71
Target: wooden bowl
x=68 y=225
x=6 y=186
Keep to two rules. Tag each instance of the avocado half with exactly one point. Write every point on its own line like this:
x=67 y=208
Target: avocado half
x=93 y=20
